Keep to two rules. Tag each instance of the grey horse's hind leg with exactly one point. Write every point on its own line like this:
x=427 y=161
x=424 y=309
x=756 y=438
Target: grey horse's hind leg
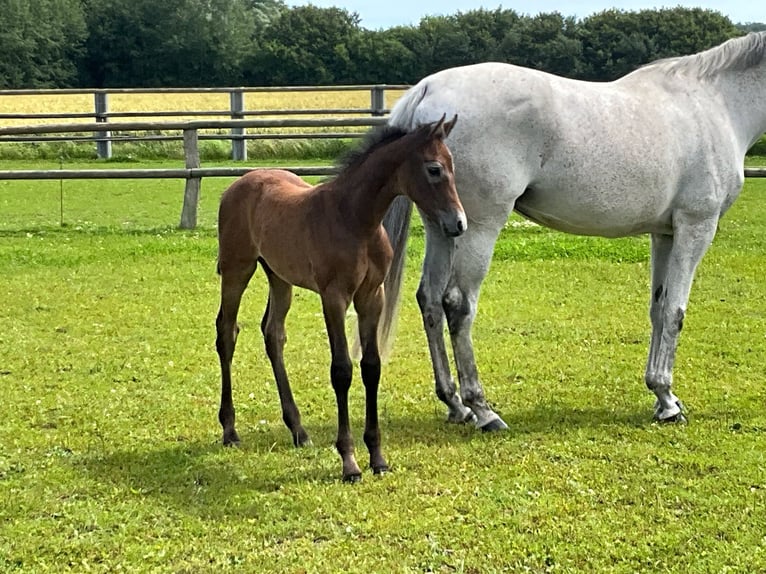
x=433 y=282
x=470 y=265
x=674 y=261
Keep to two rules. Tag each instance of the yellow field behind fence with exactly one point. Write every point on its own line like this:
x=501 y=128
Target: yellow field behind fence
x=140 y=102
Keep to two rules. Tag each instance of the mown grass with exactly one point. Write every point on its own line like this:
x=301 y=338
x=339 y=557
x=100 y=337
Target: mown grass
x=109 y=444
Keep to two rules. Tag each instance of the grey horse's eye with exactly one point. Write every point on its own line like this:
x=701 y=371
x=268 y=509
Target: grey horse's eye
x=434 y=170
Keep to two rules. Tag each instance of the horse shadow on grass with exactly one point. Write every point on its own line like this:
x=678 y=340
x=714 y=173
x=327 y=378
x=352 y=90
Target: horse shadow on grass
x=205 y=479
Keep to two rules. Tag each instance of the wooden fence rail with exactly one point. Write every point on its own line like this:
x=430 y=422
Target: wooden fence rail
x=192 y=125
x=192 y=173
x=102 y=115
x=193 y=176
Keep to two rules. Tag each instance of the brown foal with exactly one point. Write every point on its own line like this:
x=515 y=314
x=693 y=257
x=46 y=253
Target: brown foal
x=328 y=238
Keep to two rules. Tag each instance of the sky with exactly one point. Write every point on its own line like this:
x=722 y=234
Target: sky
x=376 y=14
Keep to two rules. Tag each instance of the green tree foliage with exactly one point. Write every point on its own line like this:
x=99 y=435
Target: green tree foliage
x=613 y=45
x=545 y=42
x=306 y=45
x=752 y=27
x=380 y=57
x=441 y=42
x=171 y=42
x=40 y=43
x=617 y=42
x=137 y=43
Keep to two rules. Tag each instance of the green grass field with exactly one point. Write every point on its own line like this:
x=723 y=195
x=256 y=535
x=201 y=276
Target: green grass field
x=109 y=441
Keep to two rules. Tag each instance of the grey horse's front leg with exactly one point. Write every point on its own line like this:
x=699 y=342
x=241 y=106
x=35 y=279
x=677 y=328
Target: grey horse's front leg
x=469 y=267
x=433 y=283
x=674 y=262
x=667 y=407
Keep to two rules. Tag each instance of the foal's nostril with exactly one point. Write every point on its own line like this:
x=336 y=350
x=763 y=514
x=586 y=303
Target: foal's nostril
x=453 y=225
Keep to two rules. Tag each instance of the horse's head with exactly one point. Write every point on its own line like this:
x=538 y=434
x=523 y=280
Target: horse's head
x=429 y=178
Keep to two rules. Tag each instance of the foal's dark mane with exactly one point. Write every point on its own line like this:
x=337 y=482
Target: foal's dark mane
x=373 y=140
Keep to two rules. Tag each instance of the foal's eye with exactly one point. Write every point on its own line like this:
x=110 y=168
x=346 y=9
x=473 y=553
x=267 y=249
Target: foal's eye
x=434 y=170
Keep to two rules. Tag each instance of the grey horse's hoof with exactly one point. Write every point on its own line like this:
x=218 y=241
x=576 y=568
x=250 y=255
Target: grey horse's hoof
x=352 y=478
x=677 y=418
x=495 y=425
x=468 y=418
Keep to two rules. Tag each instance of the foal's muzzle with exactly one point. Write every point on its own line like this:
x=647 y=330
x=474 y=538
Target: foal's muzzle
x=453 y=223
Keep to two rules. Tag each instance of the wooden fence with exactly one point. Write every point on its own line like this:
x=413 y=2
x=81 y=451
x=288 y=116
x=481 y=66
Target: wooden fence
x=101 y=131
x=192 y=172
x=101 y=114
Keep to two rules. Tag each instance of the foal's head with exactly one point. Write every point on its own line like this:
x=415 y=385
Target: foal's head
x=427 y=177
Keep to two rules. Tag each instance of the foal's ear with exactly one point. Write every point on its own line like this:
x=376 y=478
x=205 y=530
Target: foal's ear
x=437 y=128
x=442 y=129
x=449 y=125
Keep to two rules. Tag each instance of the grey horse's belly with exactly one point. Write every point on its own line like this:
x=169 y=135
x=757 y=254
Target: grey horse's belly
x=586 y=214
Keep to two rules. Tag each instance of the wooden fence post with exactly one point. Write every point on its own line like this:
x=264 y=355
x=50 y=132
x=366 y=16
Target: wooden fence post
x=103 y=146
x=238 y=144
x=193 y=184
x=378 y=100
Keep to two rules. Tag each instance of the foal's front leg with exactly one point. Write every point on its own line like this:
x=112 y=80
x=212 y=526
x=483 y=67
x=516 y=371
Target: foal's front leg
x=368 y=308
x=334 y=306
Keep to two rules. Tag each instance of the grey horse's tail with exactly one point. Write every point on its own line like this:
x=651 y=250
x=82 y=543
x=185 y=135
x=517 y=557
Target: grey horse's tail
x=397 y=224
x=405 y=109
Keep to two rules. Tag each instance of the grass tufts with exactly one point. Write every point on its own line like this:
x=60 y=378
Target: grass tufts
x=109 y=440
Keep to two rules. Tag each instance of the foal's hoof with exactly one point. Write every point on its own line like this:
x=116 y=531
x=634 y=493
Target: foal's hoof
x=495 y=425
x=230 y=438
x=380 y=470
x=301 y=439
x=352 y=478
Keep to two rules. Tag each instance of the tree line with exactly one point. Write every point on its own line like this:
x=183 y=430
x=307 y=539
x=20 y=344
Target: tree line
x=146 y=43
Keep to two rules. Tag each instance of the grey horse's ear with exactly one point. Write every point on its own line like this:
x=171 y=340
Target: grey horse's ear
x=449 y=125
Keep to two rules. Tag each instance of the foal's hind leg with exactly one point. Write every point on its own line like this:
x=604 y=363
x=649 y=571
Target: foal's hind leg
x=273 y=329
x=368 y=307
x=233 y=284
x=690 y=241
